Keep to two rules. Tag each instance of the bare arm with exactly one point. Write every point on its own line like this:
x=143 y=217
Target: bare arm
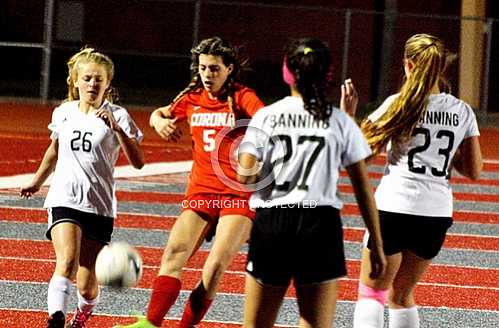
x=44 y=170
x=162 y=122
x=247 y=169
x=132 y=149
x=468 y=158
x=130 y=146
x=365 y=199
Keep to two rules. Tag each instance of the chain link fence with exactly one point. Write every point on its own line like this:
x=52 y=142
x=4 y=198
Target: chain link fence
x=150 y=42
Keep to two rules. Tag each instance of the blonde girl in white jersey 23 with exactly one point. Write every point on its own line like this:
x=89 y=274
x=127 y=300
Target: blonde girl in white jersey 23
x=426 y=132
x=302 y=142
x=87 y=134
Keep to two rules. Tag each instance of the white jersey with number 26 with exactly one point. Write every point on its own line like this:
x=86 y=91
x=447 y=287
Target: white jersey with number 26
x=416 y=177
x=301 y=156
x=88 y=150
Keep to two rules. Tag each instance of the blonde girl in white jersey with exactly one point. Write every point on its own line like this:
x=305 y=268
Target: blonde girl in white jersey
x=87 y=134
x=302 y=142
x=426 y=132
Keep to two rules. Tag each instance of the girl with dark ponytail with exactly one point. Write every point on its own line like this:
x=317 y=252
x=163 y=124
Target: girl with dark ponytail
x=291 y=156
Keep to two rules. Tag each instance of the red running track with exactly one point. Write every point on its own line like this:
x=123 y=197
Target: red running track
x=12 y=318
x=456 y=287
x=490 y=243
x=461 y=287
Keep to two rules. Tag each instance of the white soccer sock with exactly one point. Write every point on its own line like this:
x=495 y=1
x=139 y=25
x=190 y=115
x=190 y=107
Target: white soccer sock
x=369 y=313
x=87 y=305
x=404 y=318
x=58 y=294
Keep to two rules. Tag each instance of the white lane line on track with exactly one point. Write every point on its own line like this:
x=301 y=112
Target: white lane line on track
x=104 y=314
x=125 y=171
x=348 y=259
x=277 y=325
x=243 y=273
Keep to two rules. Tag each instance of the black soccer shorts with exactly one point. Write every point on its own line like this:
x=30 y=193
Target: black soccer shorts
x=422 y=235
x=93 y=226
x=303 y=244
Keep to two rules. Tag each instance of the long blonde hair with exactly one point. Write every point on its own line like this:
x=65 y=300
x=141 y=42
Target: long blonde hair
x=429 y=57
x=85 y=56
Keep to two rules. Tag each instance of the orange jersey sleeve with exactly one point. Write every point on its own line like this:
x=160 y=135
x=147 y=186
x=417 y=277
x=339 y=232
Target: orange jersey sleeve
x=248 y=101
x=179 y=108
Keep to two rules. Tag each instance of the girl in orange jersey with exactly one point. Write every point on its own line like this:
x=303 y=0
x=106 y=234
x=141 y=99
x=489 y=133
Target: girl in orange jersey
x=212 y=104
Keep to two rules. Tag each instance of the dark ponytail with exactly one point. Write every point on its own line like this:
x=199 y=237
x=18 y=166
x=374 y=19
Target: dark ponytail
x=309 y=61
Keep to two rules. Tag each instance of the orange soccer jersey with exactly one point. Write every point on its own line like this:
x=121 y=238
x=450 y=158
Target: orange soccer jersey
x=216 y=133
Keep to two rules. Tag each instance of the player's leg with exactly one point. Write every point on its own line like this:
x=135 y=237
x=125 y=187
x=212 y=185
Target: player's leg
x=402 y=307
x=86 y=282
x=182 y=241
x=270 y=267
x=97 y=232
x=416 y=259
x=261 y=303
x=373 y=293
x=319 y=263
x=317 y=304
x=65 y=235
x=231 y=232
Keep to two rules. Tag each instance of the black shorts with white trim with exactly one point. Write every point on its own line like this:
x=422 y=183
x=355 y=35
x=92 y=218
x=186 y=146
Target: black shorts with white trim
x=300 y=244
x=93 y=226
x=422 y=235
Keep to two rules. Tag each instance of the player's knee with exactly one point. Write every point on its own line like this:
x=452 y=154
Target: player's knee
x=402 y=297
x=215 y=267
x=379 y=295
x=174 y=258
x=67 y=266
x=174 y=251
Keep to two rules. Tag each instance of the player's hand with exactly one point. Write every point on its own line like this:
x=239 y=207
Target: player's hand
x=28 y=190
x=107 y=116
x=349 y=98
x=166 y=128
x=378 y=262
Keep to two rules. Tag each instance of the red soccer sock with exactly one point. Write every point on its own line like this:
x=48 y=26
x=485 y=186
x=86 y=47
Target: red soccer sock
x=196 y=307
x=165 y=291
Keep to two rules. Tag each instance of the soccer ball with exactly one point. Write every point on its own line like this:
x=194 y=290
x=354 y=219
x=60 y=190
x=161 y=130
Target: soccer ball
x=118 y=265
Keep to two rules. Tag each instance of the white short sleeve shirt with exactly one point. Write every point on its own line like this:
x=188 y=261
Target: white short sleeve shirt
x=301 y=157
x=88 y=150
x=416 y=176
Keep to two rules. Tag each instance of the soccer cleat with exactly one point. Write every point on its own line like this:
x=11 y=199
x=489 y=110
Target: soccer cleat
x=56 y=320
x=79 y=319
x=142 y=322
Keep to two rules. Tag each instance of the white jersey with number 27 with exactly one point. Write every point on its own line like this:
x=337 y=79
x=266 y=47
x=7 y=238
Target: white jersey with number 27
x=416 y=176
x=88 y=150
x=301 y=156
